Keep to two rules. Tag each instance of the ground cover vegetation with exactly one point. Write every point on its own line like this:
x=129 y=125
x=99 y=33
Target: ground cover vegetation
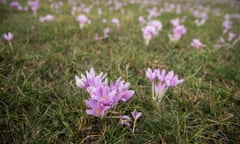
x=119 y=71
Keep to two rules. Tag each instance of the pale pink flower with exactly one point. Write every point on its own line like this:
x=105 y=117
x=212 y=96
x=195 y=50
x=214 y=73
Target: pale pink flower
x=175 y=22
x=34 y=5
x=148 y=33
x=106 y=32
x=8 y=36
x=141 y=20
x=15 y=4
x=231 y=36
x=196 y=43
x=83 y=20
x=180 y=30
x=136 y=115
x=156 y=24
x=48 y=18
x=116 y=22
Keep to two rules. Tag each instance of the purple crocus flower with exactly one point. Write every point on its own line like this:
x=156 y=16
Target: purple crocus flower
x=136 y=115
x=175 y=22
x=123 y=89
x=179 y=30
x=156 y=24
x=151 y=75
x=106 y=32
x=196 y=43
x=116 y=22
x=162 y=82
x=101 y=95
x=83 y=20
x=8 y=36
x=96 y=108
x=15 y=4
x=104 y=95
x=125 y=120
x=148 y=33
x=227 y=24
x=34 y=5
x=141 y=20
x=231 y=36
x=90 y=80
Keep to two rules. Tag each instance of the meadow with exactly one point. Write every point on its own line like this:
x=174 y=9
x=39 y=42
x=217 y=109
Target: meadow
x=47 y=83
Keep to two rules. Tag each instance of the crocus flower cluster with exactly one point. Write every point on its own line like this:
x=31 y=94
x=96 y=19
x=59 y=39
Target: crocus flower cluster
x=102 y=96
x=150 y=30
x=178 y=33
x=228 y=36
x=83 y=20
x=196 y=43
x=161 y=81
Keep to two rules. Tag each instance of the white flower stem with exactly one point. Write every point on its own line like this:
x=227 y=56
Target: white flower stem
x=11 y=46
x=153 y=91
x=134 y=126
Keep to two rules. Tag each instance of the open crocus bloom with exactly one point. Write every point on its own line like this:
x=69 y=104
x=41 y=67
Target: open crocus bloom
x=8 y=36
x=196 y=43
x=83 y=20
x=148 y=33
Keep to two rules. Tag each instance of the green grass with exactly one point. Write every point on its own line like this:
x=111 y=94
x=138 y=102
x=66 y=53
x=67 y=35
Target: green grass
x=39 y=102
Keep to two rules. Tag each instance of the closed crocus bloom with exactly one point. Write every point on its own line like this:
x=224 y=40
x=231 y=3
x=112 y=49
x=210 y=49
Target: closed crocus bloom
x=151 y=75
x=162 y=83
x=136 y=115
